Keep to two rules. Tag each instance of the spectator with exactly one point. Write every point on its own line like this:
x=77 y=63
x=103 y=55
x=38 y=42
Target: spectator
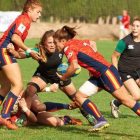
x=124 y=27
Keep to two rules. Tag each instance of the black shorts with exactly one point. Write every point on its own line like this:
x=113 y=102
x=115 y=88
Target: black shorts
x=134 y=74
x=52 y=80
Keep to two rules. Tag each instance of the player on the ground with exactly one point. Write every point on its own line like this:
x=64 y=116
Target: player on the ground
x=22 y=116
x=104 y=75
x=10 y=73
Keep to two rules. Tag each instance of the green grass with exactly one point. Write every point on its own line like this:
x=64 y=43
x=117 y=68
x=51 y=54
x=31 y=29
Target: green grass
x=126 y=127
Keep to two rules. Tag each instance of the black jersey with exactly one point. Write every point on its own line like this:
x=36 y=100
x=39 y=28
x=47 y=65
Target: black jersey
x=130 y=53
x=49 y=68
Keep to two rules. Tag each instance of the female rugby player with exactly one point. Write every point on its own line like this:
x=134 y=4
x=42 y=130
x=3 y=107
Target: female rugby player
x=10 y=73
x=128 y=65
x=104 y=75
x=46 y=72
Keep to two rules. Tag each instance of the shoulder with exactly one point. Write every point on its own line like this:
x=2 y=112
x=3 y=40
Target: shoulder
x=128 y=38
x=24 y=19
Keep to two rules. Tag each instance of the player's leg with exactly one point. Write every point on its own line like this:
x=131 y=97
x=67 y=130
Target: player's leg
x=47 y=118
x=69 y=89
x=86 y=90
x=13 y=73
x=112 y=80
x=5 y=86
x=35 y=85
x=37 y=106
x=131 y=83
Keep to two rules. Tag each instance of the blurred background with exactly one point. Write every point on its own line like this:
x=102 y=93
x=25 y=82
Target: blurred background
x=98 y=18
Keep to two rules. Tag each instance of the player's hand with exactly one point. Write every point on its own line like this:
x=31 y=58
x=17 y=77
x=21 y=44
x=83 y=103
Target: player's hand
x=35 y=55
x=10 y=48
x=54 y=87
x=22 y=103
x=62 y=78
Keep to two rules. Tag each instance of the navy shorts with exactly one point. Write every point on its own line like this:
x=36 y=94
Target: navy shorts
x=109 y=81
x=6 y=58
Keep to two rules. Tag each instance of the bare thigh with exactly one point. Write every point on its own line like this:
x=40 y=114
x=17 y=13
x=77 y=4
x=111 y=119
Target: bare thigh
x=13 y=73
x=47 y=118
x=133 y=88
x=122 y=95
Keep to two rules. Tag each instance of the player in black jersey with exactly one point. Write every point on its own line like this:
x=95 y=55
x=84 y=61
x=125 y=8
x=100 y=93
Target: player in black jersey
x=46 y=72
x=128 y=49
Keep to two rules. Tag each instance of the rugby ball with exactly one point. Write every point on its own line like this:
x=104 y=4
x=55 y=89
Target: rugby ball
x=62 y=68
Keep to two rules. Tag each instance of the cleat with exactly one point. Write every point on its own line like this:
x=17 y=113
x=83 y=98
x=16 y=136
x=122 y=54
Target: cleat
x=91 y=120
x=73 y=121
x=72 y=106
x=7 y=123
x=114 y=109
x=99 y=126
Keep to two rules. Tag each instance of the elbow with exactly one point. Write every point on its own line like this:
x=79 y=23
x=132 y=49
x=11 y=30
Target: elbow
x=13 y=38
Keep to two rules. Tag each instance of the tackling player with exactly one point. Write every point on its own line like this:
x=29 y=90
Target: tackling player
x=46 y=72
x=104 y=75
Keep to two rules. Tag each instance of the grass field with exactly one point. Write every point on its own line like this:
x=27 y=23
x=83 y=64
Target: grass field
x=125 y=127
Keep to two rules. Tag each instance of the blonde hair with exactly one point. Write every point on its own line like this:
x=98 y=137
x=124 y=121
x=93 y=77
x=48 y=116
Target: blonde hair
x=66 y=33
x=41 y=45
x=31 y=4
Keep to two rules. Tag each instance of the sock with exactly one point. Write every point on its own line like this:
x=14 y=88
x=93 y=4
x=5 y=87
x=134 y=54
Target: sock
x=136 y=108
x=117 y=103
x=11 y=99
x=1 y=99
x=65 y=119
x=92 y=109
x=55 y=106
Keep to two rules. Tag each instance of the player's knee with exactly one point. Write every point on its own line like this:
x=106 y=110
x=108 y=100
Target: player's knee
x=30 y=91
x=88 y=89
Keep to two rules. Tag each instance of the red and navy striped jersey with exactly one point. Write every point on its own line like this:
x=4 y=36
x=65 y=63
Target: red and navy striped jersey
x=86 y=56
x=20 y=27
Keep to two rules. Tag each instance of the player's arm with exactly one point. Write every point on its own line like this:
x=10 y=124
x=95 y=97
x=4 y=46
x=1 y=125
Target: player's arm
x=52 y=88
x=30 y=116
x=16 y=39
x=118 y=51
x=114 y=58
x=93 y=44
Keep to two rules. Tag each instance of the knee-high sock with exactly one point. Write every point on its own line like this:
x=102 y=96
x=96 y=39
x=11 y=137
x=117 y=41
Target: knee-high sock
x=1 y=99
x=136 y=108
x=11 y=99
x=50 y=106
x=92 y=109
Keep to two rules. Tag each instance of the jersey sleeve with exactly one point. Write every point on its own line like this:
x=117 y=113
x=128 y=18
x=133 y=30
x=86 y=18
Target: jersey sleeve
x=22 y=24
x=70 y=53
x=121 y=46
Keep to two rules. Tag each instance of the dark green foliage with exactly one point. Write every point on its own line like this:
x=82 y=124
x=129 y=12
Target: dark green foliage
x=84 y=10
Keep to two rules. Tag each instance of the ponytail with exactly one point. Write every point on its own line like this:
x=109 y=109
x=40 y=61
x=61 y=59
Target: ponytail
x=66 y=33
